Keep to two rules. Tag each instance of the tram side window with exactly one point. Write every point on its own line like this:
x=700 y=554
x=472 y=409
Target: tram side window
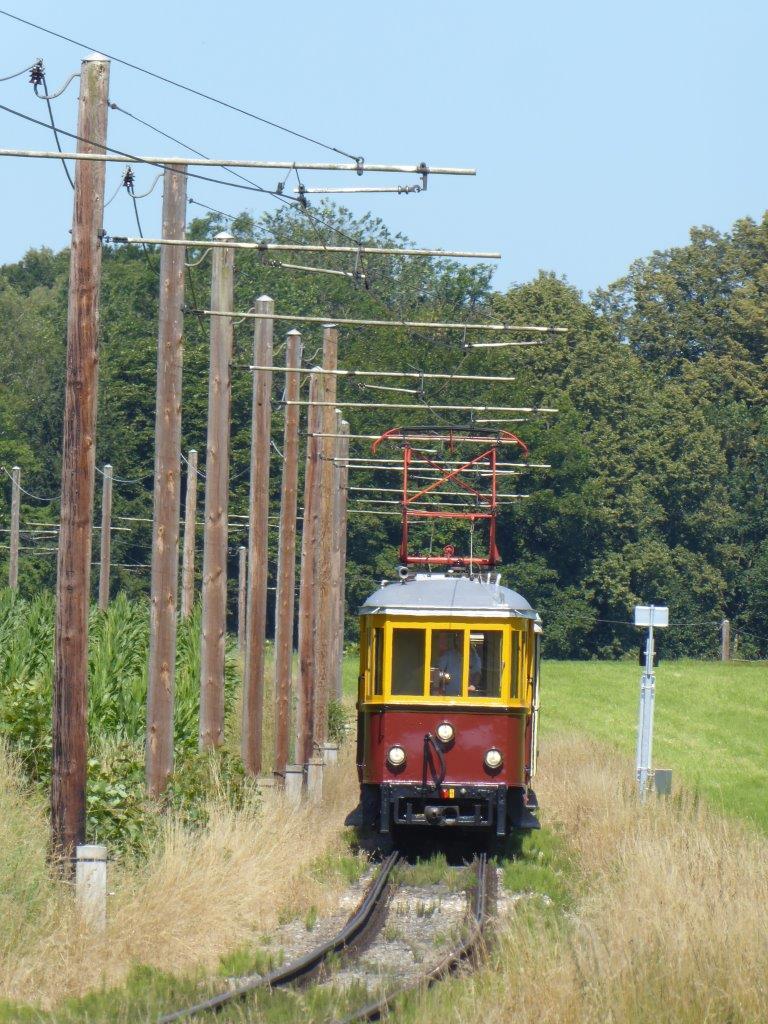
x=377 y=660
x=408 y=662
x=485 y=663
x=515 y=688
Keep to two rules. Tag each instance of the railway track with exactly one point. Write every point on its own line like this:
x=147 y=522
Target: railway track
x=364 y=923
x=469 y=947
x=357 y=928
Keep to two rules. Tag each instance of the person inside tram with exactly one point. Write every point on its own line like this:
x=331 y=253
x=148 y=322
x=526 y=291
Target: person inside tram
x=447 y=669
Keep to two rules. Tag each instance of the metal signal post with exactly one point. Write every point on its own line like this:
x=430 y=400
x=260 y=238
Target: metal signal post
x=649 y=616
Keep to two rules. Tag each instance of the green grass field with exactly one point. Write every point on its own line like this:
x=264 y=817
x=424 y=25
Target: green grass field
x=710 y=725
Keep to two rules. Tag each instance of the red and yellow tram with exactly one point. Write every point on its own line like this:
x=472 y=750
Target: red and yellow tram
x=447 y=705
x=449 y=659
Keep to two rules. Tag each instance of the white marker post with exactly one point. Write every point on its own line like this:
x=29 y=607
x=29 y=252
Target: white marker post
x=91 y=885
x=650 y=616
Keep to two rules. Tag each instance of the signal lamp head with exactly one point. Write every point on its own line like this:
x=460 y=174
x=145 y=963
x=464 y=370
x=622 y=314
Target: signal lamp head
x=493 y=759
x=396 y=756
x=445 y=732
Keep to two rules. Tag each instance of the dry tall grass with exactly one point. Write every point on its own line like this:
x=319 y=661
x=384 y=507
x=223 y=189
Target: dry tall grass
x=669 y=926
x=198 y=897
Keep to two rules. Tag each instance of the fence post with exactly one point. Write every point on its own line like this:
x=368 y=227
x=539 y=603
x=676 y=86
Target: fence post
x=725 y=640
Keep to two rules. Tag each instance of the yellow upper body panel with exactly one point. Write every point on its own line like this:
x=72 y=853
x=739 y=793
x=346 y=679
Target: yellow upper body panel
x=446 y=661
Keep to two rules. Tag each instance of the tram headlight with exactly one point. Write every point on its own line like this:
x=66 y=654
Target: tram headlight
x=493 y=759
x=445 y=732
x=396 y=756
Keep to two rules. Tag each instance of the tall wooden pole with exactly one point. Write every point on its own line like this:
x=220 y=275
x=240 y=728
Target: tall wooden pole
x=190 y=524
x=285 y=599
x=13 y=542
x=324 y=608
x=340 y=553
x=242 y=598
x=73 y=582
x=105 y=556
x=256 y=617
x=214 y=631
x=167 y=489
x=307 y=583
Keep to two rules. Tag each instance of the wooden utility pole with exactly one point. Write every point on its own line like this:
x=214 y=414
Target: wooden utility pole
x=325 y=604
x=256 y=618
x=13 y=541
x=188 y=556
x=73 y=582
x=167 y=489
x=242 y=597
x=725 y=640
x=340 y=552
x=336 y=642
x=214 y=631
x=285 y=599
x=307 y=583
x=105 y=556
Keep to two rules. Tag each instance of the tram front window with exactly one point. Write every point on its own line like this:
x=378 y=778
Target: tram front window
x=446 y=663
x=408 y=662
x=485 y=653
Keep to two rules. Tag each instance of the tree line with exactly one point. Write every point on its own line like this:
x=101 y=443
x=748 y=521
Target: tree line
x=659 y=451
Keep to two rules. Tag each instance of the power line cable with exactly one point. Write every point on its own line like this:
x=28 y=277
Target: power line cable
x=29 y=494
x=188 y=88
x=122 y=480
x=18 y=74
x=37 y=78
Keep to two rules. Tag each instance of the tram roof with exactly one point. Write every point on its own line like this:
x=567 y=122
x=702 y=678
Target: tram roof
x=453 y=596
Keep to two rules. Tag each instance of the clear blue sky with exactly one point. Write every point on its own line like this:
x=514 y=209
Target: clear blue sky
x=600 y=130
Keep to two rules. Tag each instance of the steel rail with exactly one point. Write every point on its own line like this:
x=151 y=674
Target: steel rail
x=471 y=945
x=355 y=927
